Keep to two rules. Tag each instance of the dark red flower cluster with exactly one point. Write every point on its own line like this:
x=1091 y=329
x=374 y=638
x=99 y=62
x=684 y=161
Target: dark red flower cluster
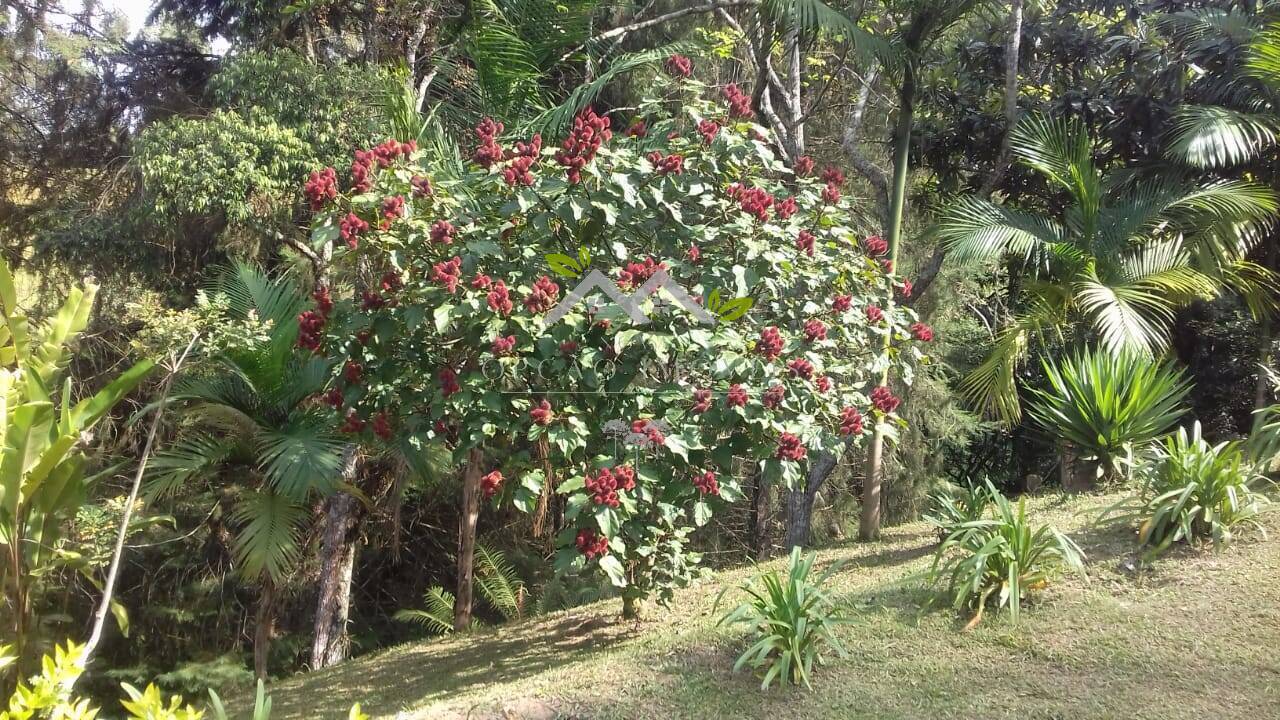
x=387 y=152
x=352 y=372
x=649 y=430
x=850 y=421
x=503 y=345
x=449 y=382
x=815 y=330
x=370 y=301
x=351 y=228
x=831 y=194
x=737 y=396
x=635 y=274
x=589 y=132
x=874 y=314
x=679 y=66
x=755 y=201
x=823 y=384
x=448 y=273
x=739 y=101
x=568 y=348
x=905 y=290
x=770 y=343
x=543 y=296
x=352 y=424
x=638 y=130
x=708 y=129
x=790 y=448
x=490 y=484
x=541 y=413
x=421 y=186
x=921 y=332
x=489 y=151
x=605 y=484
x=706 y=483
x=701 y=401
x=362 y=171
x=442 y=232
x=392 y=208
x=875 y=245
x=321 y=188
x=840 y=303
x=592 y=544
x=784 y=209
x=382 y=426
x=391 y=282
x=323 y=300
x=805 y=242
x=832 y=175
x=363 y=336
x=481 y=282
x=693 y=254
x=800 y=368
x=522 y=160
x=884 y=399
x=333 y=397
x=804 y=165
x=499 y=299
x=774 y=396
x=666 y=165
x=311 y=330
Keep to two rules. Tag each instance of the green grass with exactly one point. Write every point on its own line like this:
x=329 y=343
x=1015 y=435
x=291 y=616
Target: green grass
x=1196 y=635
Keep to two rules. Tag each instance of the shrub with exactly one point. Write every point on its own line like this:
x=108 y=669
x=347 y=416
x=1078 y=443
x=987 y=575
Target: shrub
x=953 y=507
x=1193 y=491
x=1106 y=405
x=440 y=325
x=1002 y=557
x=791 y=619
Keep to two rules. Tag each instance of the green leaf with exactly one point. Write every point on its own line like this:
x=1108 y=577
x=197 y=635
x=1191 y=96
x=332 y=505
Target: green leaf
x=613 y=568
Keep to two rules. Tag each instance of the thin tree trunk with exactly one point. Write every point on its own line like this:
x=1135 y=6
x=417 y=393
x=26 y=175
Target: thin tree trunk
x=761 y=521
x=1266 y=355
x=800 y=501
x=264 y=628
x=869 y=523
x=468 y=518
x=329 y=644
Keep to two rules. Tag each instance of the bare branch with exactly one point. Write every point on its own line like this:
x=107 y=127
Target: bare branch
x=705 y=7
x=849 y=141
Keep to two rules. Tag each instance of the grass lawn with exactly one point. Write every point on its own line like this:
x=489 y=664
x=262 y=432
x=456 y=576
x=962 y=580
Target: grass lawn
x=1196 y=636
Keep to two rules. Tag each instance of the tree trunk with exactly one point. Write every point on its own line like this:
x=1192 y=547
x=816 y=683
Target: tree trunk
x=869 y=523
x=264 y=628
x=1076 y=475
x=800 y=501
x=337 y=563
x=1266 y=354
x=468 y=518
x=761 y=521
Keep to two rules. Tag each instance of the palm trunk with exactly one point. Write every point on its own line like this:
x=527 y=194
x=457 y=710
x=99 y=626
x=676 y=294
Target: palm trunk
x=264 y=628
x=800 y=501
x=469 y=516
x=869 y=523
x=1266 y=354
x=337 y=564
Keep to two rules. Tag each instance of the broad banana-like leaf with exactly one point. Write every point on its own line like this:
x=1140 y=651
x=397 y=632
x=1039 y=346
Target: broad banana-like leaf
x=69 y=321
x=23 y=444
x=90 y=410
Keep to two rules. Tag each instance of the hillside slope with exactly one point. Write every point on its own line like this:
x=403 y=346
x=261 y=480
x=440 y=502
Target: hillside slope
x=1196 y=636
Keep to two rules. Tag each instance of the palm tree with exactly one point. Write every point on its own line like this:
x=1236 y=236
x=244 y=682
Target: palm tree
x=252 y=429
x=1116 y=259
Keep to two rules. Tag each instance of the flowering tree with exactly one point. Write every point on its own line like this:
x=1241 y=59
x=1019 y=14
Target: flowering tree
x=621 y=432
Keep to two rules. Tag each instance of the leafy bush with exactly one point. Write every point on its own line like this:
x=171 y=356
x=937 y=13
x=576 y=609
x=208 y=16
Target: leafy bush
x=1194 y=491
x=792 y=620
x=1105 y=405
x=954 y=507
x=50 y=695
x=1002 y=557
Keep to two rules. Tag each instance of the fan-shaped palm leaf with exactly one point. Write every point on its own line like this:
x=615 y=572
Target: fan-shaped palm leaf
x=974 y=229
x=267 y=542
x=1209 y=136
x=300 y=457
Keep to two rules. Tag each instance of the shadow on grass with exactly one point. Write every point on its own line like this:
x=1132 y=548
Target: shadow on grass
x=415 y=675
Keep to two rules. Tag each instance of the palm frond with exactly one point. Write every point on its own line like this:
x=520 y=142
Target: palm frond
x=1128 y=318
x=992 y=386
x=301 y=457
x=437 y=616
x=974 y=229
x=266 y=542
x=1264 y=57
x=499 y=583
x=1208 y=136
x=815 y=18
x=186 y=461
x=1059 y=149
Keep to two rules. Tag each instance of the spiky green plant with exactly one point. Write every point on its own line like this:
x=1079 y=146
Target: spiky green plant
x=497 y=582
x=1000 y=559
x=792 y=619
x=1194 y=491
x=1105 y=406
x=952 y=508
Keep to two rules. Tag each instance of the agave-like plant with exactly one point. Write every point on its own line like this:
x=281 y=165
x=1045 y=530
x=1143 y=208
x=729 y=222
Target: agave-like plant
x=792 y=619
x=1194 y=491
x=1117 y=261
x=1002 y=557
x=952 y=508
x=1105 y=406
